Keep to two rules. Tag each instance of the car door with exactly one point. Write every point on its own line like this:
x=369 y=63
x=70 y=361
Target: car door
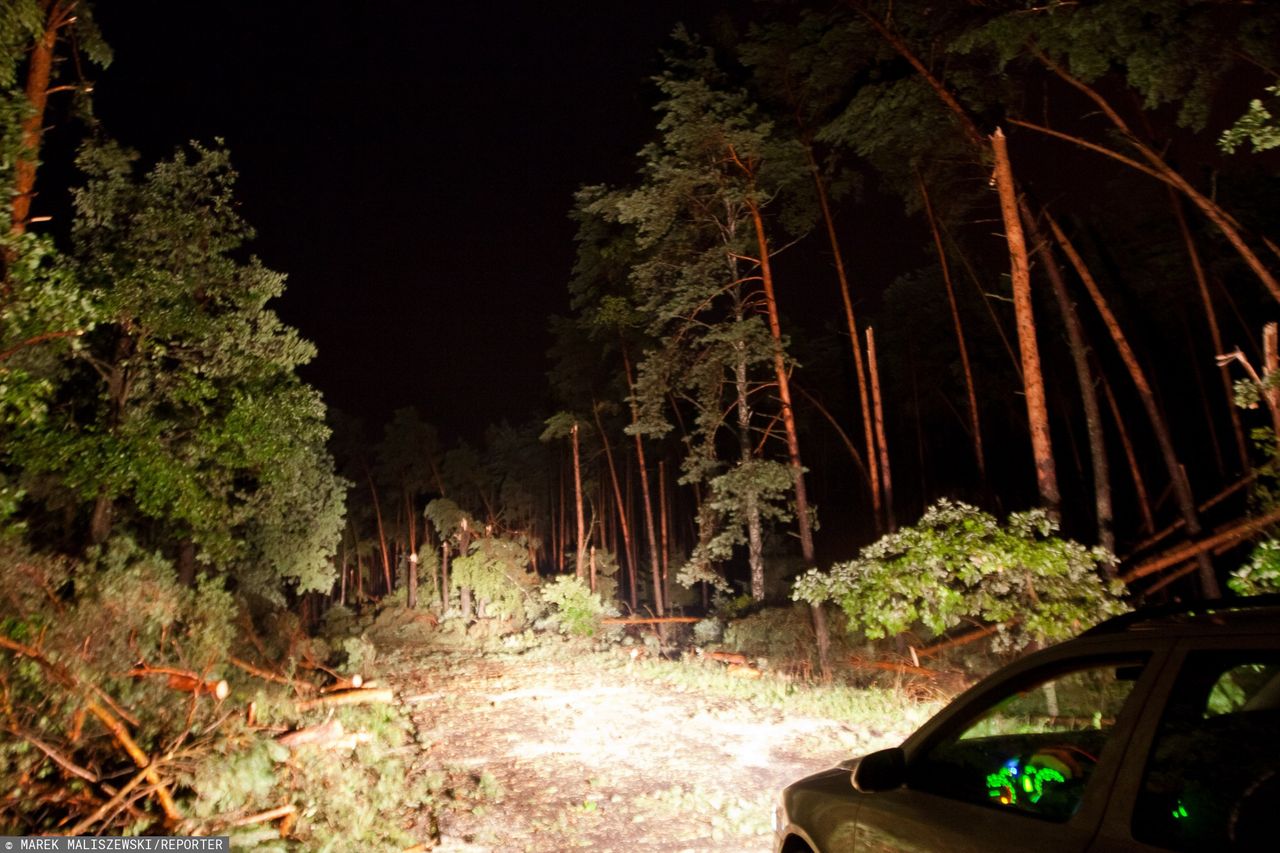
x=1024 y=765
x=1203 y=769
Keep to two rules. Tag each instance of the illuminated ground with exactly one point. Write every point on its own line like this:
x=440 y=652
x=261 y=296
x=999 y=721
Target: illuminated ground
x=590 y=751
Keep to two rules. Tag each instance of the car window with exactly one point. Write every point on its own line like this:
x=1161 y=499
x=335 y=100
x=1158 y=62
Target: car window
x=1212 y=779
x=1033 y=749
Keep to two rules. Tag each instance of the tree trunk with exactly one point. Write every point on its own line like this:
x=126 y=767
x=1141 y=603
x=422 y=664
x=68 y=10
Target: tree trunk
x=1158 y=168
x=855 y=340
x=39 y=73
x=1215 y=331
x=804 y=522
x=617 y=499
x=1139 y=485
x=1032 y=378
x=580 y=565
x=975 y=427
x=881 y=438
x=1164 y=439
x=662 y=528
x=643 y=471
x=382 y=536
x=444 y=576
x=1101 y=469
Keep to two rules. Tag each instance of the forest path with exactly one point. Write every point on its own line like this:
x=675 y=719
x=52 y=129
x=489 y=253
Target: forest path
x=590 y=751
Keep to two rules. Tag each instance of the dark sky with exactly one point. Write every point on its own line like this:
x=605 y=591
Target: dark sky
x=410 y=166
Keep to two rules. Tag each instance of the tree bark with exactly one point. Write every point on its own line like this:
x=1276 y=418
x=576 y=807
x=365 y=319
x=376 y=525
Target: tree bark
x=1215 y=331
x=855 y=340
x=39 y=73
x=382 y=536
x=881 y=439
x=1032 y=378
x=1100 y=466
x=1139 y=485
x=1164 y=439
x=617 y=498
x=580 y=566
x=643 y=471
x=789 y=424
x=975 y=427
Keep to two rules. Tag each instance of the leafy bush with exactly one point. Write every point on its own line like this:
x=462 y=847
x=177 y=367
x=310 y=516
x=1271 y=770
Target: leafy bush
x=1261 y=574
x=497 y=571
x=958 y=563
x=575 y=608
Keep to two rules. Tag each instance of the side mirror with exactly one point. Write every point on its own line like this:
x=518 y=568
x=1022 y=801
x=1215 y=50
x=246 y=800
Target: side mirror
x=881 y=771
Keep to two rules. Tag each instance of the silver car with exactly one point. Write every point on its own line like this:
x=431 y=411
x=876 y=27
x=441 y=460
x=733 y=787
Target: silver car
x=1157 y=730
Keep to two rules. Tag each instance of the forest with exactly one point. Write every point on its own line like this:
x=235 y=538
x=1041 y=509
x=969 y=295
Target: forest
x=917 y=324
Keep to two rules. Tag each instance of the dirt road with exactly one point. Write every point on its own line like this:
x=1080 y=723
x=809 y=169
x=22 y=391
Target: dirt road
x=595 y=752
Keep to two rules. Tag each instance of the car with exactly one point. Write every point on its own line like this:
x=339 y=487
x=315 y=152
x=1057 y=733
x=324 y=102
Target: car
x=1157 y=730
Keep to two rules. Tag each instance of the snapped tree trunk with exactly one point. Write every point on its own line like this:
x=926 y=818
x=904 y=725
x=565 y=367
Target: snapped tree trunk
x=855 y=340
x=1032 y=377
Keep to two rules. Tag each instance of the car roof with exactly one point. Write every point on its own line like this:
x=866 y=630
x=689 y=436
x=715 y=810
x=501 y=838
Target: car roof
x=1256 y=614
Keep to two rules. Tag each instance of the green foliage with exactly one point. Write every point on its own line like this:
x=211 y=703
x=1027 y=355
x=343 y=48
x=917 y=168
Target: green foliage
x=1257 y=127
x=576 y=610
x=1261 y=574
x=959 y=563
x=497 y=571
x=182 y=411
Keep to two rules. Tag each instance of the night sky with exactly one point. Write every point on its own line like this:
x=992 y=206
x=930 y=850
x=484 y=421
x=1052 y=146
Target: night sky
x=409 y=166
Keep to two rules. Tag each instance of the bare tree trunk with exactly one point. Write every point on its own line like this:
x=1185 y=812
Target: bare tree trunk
x=1101 y=468
x=444 y=575
x=1032 y=378
x=580 y=566
x=642 y=470
x=975 y=427
x=617 y=497
x=755 y=535
x=1164 y=439
x=789 y=423
x=1271 y=365
x=1139 y=485
x=881 y=439
x=1215 y=331
x=855 y=340
x=662 y=504
x=382 y=536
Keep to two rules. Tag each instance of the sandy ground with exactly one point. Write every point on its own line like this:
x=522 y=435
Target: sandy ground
x=593 y=752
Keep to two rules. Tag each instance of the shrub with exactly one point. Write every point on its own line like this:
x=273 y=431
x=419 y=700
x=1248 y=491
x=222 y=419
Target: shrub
x=958 y=563
x=575 y=609
x=1261 y=574
x=496 y=570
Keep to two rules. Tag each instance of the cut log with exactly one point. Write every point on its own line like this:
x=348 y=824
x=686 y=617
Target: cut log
x=264 y=817
x=892 y=666
x=267 y=675
x=650 y=620
x=184 y=680
x=727 y=657
x=348 y=697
